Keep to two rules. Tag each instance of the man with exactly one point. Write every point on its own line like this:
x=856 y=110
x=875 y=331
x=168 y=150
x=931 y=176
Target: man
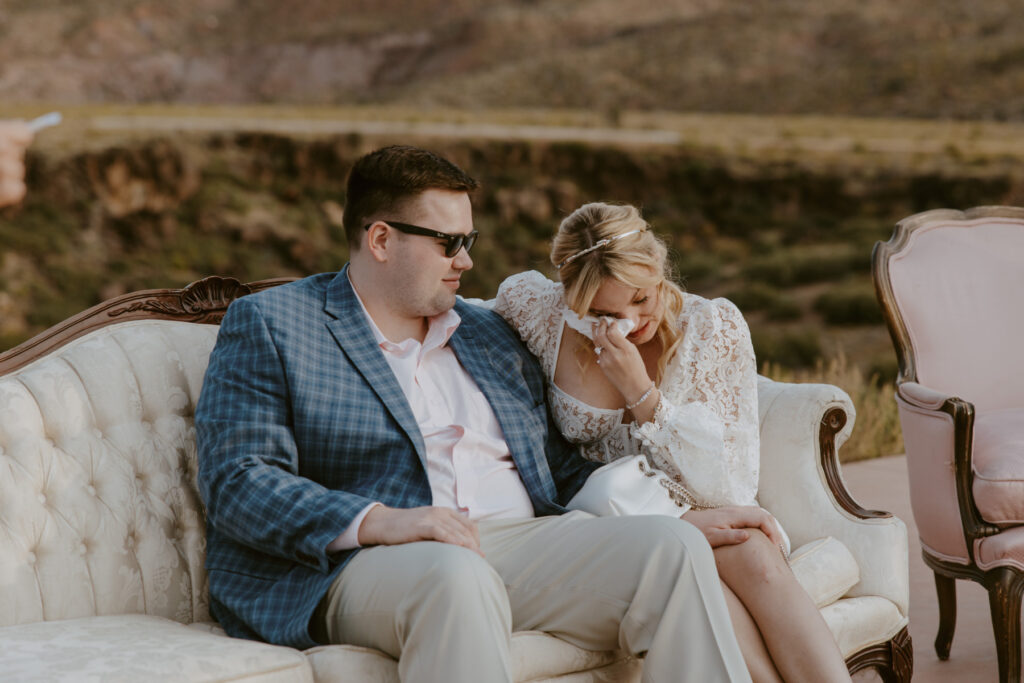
x=15 y=137
x=379 y=469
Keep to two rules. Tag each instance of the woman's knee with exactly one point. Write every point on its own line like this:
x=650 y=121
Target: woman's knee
x=755 y=560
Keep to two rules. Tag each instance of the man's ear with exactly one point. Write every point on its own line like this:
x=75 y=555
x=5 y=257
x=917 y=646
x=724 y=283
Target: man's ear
x=378 y=238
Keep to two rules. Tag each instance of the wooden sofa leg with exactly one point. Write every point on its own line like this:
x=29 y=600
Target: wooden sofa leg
x=1005 y=587
x=946 y=589
x=902 y=658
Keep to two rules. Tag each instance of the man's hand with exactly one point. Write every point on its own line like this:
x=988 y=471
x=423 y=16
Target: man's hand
x=728 y=525
x=15 y=136
x=393 y=526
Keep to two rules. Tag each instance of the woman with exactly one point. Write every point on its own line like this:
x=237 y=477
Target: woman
x=681 y=388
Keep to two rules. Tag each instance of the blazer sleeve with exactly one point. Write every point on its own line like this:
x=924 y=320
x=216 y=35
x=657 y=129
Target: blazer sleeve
x=248 y=458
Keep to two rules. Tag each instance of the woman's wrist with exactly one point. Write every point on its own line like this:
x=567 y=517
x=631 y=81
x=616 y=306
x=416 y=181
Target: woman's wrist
x=642 y=398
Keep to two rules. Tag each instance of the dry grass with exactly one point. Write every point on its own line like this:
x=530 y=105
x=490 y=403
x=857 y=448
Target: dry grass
x=876 y=431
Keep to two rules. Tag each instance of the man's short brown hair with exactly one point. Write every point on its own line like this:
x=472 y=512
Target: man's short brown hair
x=382 y=181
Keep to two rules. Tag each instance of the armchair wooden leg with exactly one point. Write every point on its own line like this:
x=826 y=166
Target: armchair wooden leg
x=946 y=589
x=1005 y=587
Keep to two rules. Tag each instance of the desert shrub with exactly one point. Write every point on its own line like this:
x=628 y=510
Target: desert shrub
x=698 y=268
x=852 y=303
x=777 y=306
x=790 y=267
x=783 y=309
x=788 y=348
x=756 y=296
x=876 y=431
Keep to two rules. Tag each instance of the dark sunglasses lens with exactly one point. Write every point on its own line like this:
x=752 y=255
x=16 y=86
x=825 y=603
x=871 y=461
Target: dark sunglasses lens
x=456 y=242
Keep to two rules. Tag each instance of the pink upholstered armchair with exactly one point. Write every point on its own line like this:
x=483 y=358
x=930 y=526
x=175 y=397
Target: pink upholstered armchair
x=951 y=285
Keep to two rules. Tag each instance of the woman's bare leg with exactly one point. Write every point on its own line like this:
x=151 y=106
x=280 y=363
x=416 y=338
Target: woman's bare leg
x=759 y=662
x=796 y=636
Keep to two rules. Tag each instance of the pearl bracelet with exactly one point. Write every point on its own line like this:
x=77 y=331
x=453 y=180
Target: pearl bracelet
x=634 y=404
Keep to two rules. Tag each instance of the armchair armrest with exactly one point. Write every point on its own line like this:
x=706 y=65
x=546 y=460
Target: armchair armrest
x=920 y=396
x=938 y=434
x=802 y=428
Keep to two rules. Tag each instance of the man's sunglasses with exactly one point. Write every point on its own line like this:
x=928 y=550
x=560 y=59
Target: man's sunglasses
x=452 y=243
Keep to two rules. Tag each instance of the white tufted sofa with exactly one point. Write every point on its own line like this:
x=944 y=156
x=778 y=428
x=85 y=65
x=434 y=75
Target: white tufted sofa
x=102 y=532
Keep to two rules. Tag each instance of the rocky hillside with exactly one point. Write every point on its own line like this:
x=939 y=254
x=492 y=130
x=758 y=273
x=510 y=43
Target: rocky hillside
x=790 y=246
x=917 y=58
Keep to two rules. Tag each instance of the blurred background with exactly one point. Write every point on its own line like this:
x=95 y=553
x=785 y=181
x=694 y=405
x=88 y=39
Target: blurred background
x=771 y=142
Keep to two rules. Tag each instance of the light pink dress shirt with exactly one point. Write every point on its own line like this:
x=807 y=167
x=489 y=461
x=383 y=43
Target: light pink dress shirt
x=469 y=466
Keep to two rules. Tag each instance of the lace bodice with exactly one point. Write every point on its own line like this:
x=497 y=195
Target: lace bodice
x=704 y=432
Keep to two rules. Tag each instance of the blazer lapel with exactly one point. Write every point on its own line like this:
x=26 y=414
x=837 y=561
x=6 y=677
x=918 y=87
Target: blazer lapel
x=349 y=327
x=488 y=367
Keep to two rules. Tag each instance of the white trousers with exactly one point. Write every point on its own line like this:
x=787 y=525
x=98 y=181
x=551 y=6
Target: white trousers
x=642 y=584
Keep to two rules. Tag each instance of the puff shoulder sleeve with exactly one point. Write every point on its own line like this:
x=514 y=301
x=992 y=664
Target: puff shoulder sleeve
x=532 y=304
x=705 y=432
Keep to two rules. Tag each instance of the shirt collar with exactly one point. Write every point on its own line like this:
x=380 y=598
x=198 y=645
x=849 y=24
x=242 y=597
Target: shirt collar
x=440 y=328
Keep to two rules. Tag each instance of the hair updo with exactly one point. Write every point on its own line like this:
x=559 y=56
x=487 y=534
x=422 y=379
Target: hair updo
x=638 y=260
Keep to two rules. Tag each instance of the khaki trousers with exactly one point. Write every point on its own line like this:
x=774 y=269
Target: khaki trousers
x=642 y=584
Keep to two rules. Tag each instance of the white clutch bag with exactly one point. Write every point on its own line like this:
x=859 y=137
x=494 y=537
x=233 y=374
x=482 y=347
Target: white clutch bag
x=630 y=486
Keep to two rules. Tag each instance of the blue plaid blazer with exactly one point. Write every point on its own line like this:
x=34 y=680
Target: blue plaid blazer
x=301 y=423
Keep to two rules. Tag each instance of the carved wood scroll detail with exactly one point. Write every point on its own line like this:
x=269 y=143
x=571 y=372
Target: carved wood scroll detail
x=894 y=660
x=831 y=424
x=211 y=295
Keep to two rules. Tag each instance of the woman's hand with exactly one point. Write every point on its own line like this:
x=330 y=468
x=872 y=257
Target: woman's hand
x=620 y=361
x=729 y=525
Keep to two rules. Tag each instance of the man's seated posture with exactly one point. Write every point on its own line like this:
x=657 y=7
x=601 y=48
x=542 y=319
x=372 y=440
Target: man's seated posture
x=379 y=468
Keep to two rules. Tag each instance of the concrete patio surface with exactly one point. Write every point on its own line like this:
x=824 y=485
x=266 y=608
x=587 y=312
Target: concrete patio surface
x=881 y=484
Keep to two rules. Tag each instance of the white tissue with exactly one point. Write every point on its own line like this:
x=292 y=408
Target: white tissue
x=45 y=121
x=585 y=325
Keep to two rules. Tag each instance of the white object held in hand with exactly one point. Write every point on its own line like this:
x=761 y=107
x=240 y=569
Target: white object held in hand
x=585 y=325
x=45 y=121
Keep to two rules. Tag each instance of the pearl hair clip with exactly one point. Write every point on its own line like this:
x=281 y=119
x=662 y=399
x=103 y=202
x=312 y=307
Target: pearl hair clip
x=597 y=245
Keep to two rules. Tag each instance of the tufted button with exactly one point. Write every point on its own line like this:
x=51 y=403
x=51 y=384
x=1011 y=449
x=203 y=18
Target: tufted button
x=31 y=558
x=91 y=490
x=41 y=498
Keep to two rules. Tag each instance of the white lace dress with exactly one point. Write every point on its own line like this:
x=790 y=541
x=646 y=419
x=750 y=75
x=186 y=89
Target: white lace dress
x=704 y=433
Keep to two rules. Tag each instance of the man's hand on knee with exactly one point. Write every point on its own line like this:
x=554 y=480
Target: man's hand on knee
x=392 y=526
x=729 y=525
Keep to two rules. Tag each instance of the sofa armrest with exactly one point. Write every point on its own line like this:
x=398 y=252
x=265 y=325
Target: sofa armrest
x=802 y=428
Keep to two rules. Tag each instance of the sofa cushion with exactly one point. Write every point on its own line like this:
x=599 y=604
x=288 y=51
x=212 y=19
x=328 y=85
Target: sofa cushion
x=536 y=657
x=825 y=568
x=999 y=466
x=861 y=622
x=139 y=647
x=1005 y=549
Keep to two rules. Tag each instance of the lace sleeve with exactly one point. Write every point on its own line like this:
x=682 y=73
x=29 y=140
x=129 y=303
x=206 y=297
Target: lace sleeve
x=704 y=431
x=532 y=305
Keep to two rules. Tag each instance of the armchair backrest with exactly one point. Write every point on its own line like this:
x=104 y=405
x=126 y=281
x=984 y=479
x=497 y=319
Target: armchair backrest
x=99 y=512
x=952 y=284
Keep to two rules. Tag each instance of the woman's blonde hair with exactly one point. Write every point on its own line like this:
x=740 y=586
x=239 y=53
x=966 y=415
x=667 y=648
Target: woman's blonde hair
x=638 y=260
